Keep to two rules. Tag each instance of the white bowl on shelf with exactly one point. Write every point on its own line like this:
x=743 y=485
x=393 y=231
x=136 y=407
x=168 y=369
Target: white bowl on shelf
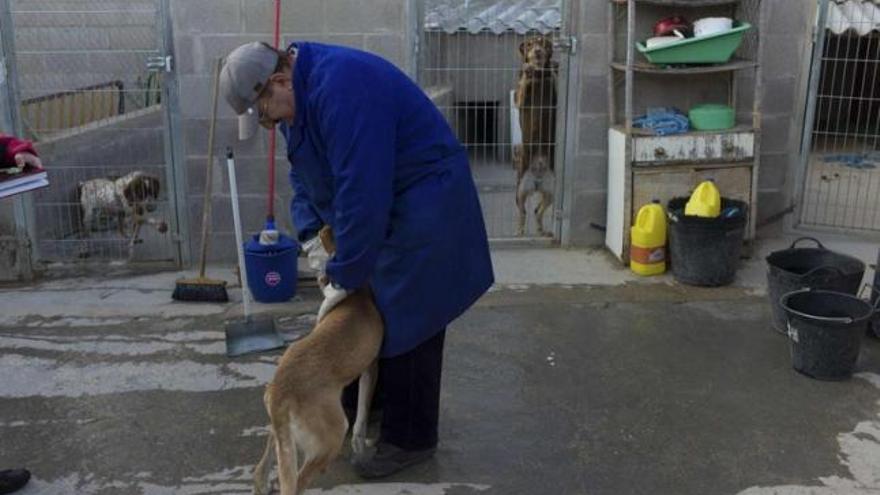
x=708 y=26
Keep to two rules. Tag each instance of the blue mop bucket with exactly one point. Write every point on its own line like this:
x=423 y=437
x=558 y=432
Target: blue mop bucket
x=271 y=269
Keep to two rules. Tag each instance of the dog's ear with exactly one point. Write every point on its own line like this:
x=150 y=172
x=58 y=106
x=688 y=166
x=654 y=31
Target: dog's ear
x=132 y=189
x=155 y=186
x=522 y=48
x=140 y=188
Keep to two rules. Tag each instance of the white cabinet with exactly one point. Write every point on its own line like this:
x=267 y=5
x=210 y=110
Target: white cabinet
x=693 y=147
x=633 y=183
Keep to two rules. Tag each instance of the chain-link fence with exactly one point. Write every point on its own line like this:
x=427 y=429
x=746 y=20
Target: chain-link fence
x=89 y=101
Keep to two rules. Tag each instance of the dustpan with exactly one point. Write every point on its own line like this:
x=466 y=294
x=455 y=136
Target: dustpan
x=252 y=333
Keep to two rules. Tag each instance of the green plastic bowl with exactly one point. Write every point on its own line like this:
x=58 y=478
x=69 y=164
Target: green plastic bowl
x=711 y=117
x=713 y=49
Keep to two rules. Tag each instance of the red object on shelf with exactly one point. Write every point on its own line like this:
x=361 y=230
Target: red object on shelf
x=668 y=25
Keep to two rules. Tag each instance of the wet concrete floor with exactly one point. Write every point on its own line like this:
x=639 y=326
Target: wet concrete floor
x=547 y=390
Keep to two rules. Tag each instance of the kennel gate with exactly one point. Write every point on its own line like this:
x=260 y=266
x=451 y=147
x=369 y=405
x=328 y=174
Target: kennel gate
x=94 y=93
x=468 y=63
x=840 y=153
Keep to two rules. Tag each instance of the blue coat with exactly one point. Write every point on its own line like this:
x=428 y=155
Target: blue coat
x=372 y=157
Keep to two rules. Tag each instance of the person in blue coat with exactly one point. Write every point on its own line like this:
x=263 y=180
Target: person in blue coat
x=372 y=157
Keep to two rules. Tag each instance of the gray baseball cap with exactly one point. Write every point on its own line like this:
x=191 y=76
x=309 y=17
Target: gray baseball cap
x=242 y=79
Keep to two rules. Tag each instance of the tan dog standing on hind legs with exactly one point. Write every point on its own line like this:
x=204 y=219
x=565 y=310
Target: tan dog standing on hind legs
x=535 y=98
x=304 y=398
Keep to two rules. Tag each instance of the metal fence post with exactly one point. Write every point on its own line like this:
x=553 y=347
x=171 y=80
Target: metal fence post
x=174 y=153
x=810 y=115
x=9 y=120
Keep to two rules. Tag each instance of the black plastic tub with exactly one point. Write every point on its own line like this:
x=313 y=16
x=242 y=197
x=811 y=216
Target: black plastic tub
x=825 y=331
x=809 y=268
x=706 y=251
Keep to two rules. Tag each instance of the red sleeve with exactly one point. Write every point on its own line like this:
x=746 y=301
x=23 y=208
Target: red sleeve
x=10 y=146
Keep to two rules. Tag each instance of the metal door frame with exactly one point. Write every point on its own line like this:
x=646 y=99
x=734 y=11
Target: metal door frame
x=815 y=66
x=566 y=120
x=175 y=162
x=175 y=170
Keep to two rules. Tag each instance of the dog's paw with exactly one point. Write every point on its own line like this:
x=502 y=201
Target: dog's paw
x=262 y=486
x=359 y=445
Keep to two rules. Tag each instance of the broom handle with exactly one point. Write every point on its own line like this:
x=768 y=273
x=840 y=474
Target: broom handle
x=206 y=202
x=239 y=243
x=270 y=216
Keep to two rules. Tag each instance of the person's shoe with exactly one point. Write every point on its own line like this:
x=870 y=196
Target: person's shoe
x=388 y=460
x=13 y=479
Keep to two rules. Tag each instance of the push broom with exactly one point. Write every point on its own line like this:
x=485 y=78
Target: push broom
x=204 y=289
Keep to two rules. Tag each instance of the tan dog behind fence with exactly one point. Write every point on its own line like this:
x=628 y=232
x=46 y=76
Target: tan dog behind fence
x=304 y=398
x=536 y=98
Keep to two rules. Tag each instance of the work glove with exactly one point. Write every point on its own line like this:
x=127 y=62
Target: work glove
x=316 y=255
x=333 y=295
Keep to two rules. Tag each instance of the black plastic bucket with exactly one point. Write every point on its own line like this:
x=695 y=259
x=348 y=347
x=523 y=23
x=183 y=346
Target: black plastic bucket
x=825 y=331
x=705 y=251
x=809 y=268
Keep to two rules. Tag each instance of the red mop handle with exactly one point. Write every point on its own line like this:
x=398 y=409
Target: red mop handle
x=272 y=132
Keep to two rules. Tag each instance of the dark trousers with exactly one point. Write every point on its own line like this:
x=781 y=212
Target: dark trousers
x=408 y=392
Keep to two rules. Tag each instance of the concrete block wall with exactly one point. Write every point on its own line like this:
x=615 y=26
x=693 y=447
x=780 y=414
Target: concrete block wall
x=207 y=29
x=588 y=172
x=786 y=44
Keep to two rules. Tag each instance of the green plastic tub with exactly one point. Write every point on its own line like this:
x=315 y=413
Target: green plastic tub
x=711 y=117
x=713 y=49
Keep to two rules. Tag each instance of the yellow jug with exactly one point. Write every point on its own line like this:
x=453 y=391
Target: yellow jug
x=705 y=201
x=647 y=252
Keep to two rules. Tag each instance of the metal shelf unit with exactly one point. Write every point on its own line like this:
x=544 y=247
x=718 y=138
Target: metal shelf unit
x=642 y=166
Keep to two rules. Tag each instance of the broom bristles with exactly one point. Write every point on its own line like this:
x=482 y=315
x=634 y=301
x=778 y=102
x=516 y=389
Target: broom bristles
x=200 y=290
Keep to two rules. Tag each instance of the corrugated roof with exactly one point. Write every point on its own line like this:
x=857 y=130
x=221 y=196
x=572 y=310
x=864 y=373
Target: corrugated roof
x=858 y=16
x=497 y=16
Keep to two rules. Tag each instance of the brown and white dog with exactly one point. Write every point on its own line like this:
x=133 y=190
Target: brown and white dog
x=535 y=98
x=304 y=398
x=128 y=198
